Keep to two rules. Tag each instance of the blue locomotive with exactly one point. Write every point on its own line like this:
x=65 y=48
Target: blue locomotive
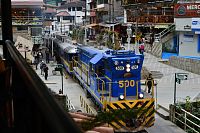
x=111 y=79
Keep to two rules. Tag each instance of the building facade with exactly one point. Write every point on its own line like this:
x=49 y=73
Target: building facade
x=187 y=21
x=69 y=15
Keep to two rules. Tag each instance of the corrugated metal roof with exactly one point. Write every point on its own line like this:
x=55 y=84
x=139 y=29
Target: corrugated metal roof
x=63 y=13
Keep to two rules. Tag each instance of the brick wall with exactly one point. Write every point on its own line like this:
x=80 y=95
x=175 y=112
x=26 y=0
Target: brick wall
x=188 y=64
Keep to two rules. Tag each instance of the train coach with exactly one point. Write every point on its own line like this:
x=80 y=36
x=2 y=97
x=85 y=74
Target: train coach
x=112 y=80
x=65 y=52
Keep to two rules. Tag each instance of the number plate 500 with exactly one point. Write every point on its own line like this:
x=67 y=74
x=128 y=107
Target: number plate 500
x=126 y=83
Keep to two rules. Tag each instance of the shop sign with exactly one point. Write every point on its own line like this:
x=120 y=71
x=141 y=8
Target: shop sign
x=195 y=24
x=187 y=10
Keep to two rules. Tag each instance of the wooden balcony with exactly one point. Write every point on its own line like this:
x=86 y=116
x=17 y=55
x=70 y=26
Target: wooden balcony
x=152 y=19
x=133 y=2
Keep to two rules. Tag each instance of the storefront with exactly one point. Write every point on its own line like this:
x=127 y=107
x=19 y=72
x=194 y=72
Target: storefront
x=187 y=21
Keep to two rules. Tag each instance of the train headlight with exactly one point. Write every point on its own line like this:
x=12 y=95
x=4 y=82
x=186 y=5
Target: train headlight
x=128 y=65
x=121 y=97
x=128 y=69
x=141 y=95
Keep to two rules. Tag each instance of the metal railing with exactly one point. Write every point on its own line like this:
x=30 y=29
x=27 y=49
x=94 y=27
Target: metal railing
x=185 y=118
x=32 y=103
x=160 y=35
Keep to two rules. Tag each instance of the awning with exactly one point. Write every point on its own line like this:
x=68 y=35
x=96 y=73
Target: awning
x=91 y=25
x=96 y=59
x=108 y=25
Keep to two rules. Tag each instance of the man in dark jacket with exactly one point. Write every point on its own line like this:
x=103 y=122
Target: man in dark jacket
x=149 y=82
x=46 y=72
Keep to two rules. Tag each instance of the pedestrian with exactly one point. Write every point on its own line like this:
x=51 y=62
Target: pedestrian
x=149 y=82
x=47 y=55
x=42 y=66
x=40 y=55
x=141 y=48
x=36 y=61
x=46 y=72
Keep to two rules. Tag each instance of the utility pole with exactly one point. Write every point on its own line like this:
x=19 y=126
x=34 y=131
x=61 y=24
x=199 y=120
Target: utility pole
x=85 y=22
x=113 y=10
x=110 y=11
x=136 y=34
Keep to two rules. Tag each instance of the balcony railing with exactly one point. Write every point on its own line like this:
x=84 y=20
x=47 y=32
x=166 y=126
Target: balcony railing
x=136 y=2
x=152 y=19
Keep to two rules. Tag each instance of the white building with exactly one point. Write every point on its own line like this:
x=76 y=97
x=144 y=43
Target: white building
x=69 y=14
x=187 y=20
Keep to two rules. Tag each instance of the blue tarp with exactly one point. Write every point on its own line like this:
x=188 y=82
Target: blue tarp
x=166 y=55
x=96 y=58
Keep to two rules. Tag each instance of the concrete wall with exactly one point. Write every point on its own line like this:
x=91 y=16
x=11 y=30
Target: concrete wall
x=188 y=45
x=188 y=64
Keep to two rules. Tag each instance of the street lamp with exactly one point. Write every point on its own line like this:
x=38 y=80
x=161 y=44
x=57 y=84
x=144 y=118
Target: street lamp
x=129 y=32
x=59 y=67
x=52 y=44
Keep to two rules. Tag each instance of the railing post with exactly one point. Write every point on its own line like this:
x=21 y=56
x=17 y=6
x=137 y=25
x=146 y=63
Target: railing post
x=185 y=122
x=172 y=113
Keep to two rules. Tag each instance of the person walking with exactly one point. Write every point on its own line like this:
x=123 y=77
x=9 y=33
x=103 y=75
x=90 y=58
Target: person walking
x=149 y=82
x=40 y=55
x=47 y=55
x=36 y=61
x=42 y=66
x=46 y=72
x=141 y=48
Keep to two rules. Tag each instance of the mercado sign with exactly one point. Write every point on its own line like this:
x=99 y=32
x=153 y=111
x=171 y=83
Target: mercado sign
x=187 y=10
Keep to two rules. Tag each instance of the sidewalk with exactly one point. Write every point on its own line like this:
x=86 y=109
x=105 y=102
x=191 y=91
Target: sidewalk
x=70 y=88
x=165 y=87
x=166 y=79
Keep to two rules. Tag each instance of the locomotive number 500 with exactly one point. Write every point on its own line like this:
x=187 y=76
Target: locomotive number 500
x=126 y=83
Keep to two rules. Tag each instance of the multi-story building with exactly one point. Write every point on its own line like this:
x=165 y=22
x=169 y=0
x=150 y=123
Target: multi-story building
x=26 y=14
x=53 y=2
x=187 y=21
x=70 y=14
x=104 y=14
x=149 y=13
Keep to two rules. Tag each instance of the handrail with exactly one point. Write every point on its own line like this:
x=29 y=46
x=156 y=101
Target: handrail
x=165 y=31
x=103 y=85
x=57 y=119
x=185 y=119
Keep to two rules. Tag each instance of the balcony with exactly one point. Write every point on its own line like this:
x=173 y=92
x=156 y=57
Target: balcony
x=136 y=2
x=153 y=19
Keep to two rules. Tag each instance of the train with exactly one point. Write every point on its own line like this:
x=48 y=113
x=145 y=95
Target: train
x=111 y=79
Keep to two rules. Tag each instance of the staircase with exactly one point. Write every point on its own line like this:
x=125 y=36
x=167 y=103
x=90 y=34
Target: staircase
x=161 y=38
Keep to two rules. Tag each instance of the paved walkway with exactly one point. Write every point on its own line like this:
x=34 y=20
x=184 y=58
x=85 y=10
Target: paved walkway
x=165 y=87
x=70 y=88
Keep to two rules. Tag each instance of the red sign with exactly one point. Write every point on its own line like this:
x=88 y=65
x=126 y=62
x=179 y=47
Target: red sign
x=187 y=10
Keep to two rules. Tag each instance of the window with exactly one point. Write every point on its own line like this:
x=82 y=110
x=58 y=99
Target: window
x=73 y=8
x=58 y=18
x=79 y=8
x=69 y=9
x=65 y=18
